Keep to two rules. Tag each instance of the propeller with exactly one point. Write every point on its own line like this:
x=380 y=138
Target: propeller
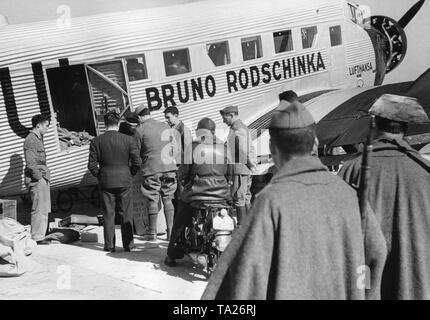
x=410 y=14
x=389 y=38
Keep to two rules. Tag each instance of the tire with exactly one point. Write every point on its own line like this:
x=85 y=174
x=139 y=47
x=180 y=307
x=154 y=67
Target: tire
x=64 y=201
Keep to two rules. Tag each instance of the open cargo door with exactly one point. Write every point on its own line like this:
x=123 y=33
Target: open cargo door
x=108 y=88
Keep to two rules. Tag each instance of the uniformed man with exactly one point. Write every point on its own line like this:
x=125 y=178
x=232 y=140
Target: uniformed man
x=303 y=238
x=157 y=147
x=399 y=189
x=243 y=157
x=129 y=126
x=37 y=177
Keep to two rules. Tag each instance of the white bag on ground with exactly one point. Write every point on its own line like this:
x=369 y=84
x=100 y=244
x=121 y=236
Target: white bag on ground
x=15 y=244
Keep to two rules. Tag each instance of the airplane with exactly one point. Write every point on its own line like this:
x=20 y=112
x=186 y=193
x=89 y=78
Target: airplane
x=199 y=56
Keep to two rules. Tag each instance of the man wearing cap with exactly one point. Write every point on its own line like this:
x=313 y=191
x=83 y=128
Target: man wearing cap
x=157 y=148
x=129 y=125
x=399 y=190
x=241 y=154
x=303 y=238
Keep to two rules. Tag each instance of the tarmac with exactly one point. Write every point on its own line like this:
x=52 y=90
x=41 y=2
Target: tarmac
x=83 y=271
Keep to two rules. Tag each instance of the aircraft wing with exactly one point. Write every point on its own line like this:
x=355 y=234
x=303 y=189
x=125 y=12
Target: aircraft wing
x=347 y=123
x=341 y=115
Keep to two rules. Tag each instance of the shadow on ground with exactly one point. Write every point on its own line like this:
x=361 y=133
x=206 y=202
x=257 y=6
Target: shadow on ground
x=153 y=252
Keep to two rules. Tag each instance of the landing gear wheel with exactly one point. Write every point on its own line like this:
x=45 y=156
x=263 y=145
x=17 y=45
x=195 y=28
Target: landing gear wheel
x=95 y=196
x=208 y=273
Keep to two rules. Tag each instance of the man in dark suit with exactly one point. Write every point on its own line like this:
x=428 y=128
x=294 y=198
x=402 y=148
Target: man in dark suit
x=109 y=161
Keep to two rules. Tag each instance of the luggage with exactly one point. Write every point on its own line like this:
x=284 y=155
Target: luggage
x=15 y=244
x=80 y=219
x=7 y=209
x=63 y=235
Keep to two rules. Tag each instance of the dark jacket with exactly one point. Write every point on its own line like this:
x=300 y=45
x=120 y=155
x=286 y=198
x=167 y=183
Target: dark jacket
x=206 y=178
x=110 y=156
x=152 y=139
x=35 y=158
x=399 y=190
x=302 y=239
x=240 y=149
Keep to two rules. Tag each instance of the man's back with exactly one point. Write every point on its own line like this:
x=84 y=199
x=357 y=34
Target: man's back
x=205 y=178
x=302 y=240
x=153 y=140
x=398 y=193
x=113 y=151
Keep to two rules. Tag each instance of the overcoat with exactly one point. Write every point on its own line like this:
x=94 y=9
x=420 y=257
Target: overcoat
x=302 y=240
x=399 y=193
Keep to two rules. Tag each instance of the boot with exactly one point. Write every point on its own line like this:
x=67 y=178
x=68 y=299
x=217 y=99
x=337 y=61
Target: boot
x=169 y=212
x=168 y=261
x=241 y=214
x=168 y=232
x=151 y=235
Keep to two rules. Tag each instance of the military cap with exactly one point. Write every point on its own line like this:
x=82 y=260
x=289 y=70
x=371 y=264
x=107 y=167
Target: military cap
x=132 y=120
x=291 y=115
x=141 y=110
x=229 y=109
x=399 y=108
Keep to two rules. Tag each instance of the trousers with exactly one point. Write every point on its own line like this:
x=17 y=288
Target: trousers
x=40 y=195
x=241 y=190
x=118 y=201
x=181 y=220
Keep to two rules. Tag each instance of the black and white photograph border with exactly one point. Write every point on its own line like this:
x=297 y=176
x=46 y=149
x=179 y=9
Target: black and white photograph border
x=233 y=72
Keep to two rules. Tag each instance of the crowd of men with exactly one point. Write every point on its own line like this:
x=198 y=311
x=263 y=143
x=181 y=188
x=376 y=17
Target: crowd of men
x=305 y=236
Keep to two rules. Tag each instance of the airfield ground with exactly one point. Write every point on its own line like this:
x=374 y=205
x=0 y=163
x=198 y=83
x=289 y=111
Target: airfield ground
x=82 y=270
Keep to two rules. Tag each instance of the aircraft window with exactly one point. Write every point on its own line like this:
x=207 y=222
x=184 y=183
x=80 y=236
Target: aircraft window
x=136 y=68
x=177 y=62
x=309 y=35
x=335 y=36
x=283 y=41
x=251 y=48
x=219 y=53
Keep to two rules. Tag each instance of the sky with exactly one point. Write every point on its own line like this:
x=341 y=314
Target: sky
x=417 y=59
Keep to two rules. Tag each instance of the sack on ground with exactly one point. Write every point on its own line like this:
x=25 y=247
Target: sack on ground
x=63 y=235
x=15 y=244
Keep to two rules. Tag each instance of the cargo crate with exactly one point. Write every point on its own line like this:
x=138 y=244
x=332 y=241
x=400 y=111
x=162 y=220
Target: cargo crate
x=8 y=209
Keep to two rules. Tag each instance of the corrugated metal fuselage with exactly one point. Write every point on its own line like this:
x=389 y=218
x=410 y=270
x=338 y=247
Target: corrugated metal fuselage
x=28 y=52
